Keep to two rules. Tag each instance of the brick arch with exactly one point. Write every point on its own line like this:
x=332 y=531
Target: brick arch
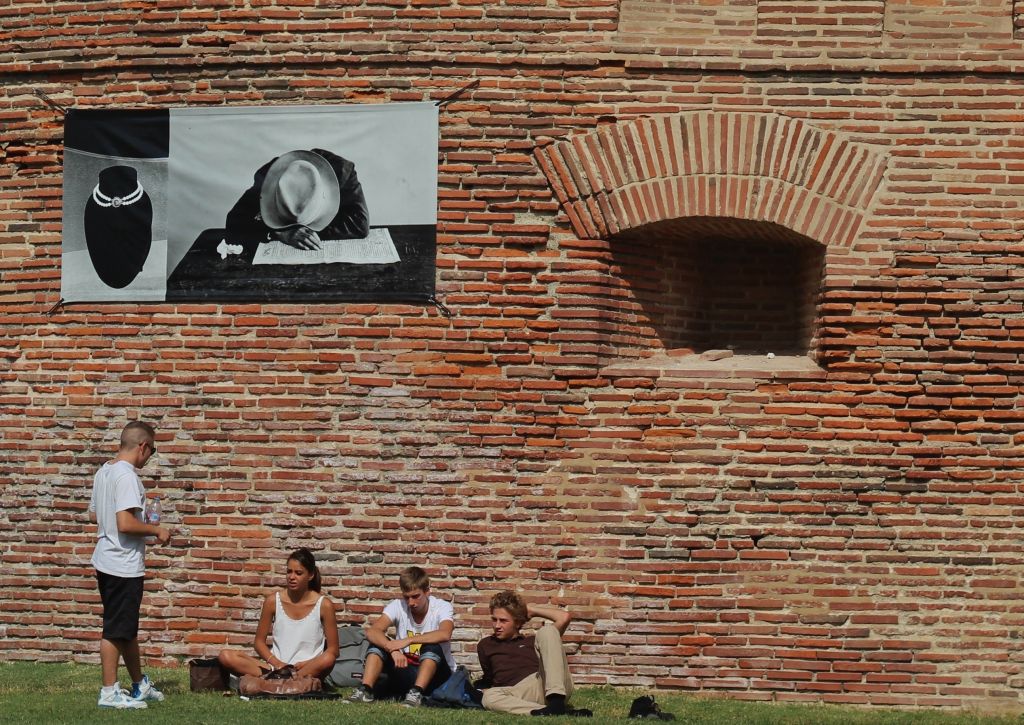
x=758 y=166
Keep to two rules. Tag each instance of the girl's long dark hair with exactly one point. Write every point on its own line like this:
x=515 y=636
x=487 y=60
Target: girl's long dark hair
x=305 y=558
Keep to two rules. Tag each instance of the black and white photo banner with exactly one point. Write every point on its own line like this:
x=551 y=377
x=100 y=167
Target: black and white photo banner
x=276 y=204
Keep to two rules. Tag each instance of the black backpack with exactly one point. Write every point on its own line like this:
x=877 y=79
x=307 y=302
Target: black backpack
x=646 y=707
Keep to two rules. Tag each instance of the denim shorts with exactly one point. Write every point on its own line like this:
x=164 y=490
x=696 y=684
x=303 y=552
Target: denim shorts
x=401 y=679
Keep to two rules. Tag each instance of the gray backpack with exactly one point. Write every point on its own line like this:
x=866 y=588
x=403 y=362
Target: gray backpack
x=348 y=668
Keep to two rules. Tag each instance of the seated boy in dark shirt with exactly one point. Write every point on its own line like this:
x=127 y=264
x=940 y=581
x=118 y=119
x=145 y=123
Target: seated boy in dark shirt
x=525 y=675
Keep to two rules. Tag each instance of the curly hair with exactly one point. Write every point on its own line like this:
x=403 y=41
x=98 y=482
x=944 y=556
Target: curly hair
x=511 y=603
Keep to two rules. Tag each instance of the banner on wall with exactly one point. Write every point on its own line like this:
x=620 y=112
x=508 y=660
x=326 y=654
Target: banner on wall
x=294 y=203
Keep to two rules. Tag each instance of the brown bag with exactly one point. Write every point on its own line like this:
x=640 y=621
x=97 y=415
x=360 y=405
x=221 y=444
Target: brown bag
x=279 y=682
x=207 y=674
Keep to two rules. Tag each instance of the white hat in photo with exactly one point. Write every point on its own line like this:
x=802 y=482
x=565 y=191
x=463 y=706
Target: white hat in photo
x=300 y=188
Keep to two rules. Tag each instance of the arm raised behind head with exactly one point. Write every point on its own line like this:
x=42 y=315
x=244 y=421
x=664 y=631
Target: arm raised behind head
x=559 y=617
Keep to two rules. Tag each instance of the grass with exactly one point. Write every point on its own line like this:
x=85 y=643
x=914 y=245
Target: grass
x=39 y=693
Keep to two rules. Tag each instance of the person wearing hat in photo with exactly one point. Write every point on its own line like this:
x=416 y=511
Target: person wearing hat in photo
x=301 y=198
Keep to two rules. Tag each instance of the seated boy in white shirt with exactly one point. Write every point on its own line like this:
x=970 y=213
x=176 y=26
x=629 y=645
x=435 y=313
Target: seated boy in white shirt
x=419 y=658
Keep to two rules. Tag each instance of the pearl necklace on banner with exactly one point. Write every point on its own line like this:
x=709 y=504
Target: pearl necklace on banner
x=116 y=201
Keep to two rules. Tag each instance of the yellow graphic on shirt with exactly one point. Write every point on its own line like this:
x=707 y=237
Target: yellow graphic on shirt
x=413 y=649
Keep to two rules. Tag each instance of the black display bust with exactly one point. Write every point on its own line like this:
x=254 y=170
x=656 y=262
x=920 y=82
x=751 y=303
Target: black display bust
x=118 y=226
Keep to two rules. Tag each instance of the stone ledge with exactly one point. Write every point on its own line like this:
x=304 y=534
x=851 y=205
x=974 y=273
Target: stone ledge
x=694 y=365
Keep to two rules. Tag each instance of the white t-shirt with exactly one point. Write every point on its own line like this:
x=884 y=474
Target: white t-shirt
x=117 y=488
x=438 y=610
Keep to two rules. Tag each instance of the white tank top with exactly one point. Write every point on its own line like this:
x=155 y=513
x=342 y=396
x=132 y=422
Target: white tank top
x=297 y=640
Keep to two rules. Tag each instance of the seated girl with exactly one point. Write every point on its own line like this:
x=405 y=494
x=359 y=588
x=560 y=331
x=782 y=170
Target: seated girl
x=304 y=626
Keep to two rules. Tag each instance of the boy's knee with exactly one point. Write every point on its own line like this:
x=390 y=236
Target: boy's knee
x=431 y=652
x=374 y=650
x=548 y=632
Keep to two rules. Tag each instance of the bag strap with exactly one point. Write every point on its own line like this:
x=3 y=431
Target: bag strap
x=282 y=673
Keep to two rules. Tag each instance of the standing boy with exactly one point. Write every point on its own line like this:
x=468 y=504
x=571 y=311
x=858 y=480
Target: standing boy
x=525 y=675
x=118 y=501
x=419 y=659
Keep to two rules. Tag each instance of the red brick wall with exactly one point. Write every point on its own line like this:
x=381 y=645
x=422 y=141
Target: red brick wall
x=846 y=532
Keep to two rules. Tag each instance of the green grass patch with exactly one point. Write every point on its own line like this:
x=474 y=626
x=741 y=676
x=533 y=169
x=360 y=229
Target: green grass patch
x=66 y=693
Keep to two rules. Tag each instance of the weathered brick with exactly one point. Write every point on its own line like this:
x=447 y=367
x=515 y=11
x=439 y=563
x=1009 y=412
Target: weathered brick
x=787 y=528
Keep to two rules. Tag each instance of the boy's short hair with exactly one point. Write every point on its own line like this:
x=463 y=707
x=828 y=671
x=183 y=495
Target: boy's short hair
x=412 y=579
x=136 y=432
x=512 y=603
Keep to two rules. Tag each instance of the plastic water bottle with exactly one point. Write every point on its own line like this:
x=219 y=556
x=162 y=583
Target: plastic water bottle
x=153 y=511
x=152 y=515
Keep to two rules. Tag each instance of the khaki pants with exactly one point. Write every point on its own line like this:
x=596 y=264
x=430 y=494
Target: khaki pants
x=552 y=678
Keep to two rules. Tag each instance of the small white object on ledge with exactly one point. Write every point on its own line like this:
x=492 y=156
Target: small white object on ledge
x=224 y=249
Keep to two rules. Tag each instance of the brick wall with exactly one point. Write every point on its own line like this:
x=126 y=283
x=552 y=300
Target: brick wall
x=842 y=529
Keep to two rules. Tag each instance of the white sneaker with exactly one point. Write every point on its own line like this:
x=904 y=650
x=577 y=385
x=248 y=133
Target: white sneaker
x=119 y=699
x=144 y=690
x=361 y=694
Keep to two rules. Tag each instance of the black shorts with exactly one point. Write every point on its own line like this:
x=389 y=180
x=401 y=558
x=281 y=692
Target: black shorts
x=122 y=599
